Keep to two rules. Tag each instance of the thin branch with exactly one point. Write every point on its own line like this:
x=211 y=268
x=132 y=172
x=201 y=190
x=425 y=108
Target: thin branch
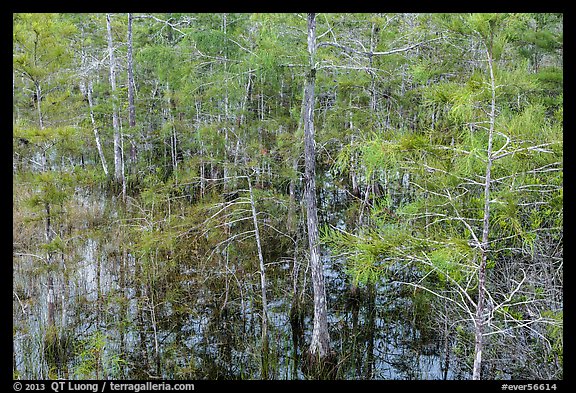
x=370 y=53
x=390 y=52
x=537 y=148
x=510 y=295
x=163 y=21
x=22 y=305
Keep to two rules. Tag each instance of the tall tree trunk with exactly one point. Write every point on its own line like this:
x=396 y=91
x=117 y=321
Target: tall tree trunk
x=200 y=150
x=370 y=329
x=446 y=363
x=96 y=134
x=169 y=117
x=118 y=172
x=38 y=106
x=225 y=169
x=293 y=223
x=262 y=287
x=122 y=169
x=51 y=293
x=131 y=87
x=131 y=108
x=124 y=310
x=320 y=344
x=48 y=234
x=353 y=170
x=479 y=322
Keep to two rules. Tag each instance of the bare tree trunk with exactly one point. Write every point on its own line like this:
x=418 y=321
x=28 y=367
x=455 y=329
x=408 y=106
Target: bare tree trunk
x=96 y=135
x=200 y=151
x=123 y=170
x=479 y=321
x=49 y=258
x=152 y=304
x=353 y=175
x=118 y=173
x=51 y=334
x=292 y=222
x=262 y=287
x=370 y=329
x=38 y=106
x=226 y=169
x=169 y=116
x=131 y=108
x=131 y=87
x=246 y=100
x=51 y=295
x=320 y=344
x=446 y=364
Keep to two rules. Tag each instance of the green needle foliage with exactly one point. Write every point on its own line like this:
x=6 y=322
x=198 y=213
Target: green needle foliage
x=439 y=174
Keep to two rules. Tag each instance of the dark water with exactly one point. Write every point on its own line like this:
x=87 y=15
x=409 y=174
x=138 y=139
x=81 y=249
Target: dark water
x=125 y=315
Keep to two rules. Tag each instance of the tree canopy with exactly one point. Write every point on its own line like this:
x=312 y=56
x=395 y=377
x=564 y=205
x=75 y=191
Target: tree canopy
x=435 y=151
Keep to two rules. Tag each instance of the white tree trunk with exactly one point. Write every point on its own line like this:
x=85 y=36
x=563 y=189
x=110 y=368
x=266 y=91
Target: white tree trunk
x=131 y=108
x=320 y=344
x=118 y=173
x=39 y=107
x=96 y=135
x=262 y=286
x=480 y=312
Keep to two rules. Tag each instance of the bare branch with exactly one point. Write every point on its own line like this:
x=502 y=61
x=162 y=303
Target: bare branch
x=537 y=148
x=370 y=53
x=167 y=23
x=390 y=52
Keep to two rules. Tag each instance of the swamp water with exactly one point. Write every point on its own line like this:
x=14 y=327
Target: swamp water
x=122 y=316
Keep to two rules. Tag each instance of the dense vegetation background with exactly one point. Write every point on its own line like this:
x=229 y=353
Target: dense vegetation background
x=160 y=193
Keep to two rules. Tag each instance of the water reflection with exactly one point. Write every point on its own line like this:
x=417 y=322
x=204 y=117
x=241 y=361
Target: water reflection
x=124 y=316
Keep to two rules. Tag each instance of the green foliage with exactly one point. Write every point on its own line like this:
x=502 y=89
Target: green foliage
x=368 y=255
x=56 y=245
x=39 y=43
x=160 y=57
x=426 y=70
x=485 y=24
x=555 y=331
x=212 y=42
x=220 y=95
x=52 y=188
x=452 y=261
x=211 y=135
x=95 y=360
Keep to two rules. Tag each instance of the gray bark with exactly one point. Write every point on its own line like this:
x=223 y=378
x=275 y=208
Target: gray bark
x=39 y=107
x=131 y=88
x=262 y=286
x=51 y=292
x=320 y=344
x=118 y=173
x=131 y=108
x=96 y=134
x=480 y=320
